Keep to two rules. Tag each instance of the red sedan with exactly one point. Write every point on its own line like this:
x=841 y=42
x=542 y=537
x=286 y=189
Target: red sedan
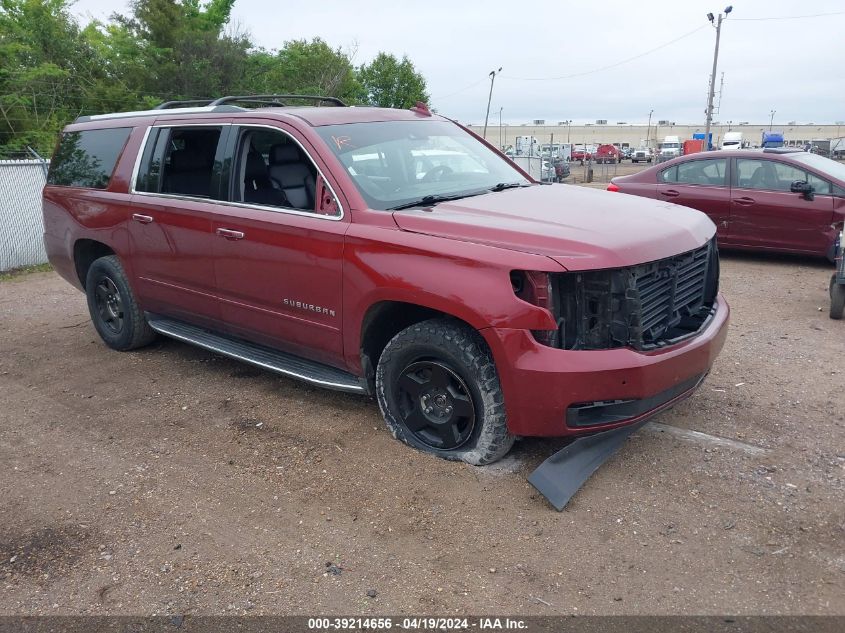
x=775 y=200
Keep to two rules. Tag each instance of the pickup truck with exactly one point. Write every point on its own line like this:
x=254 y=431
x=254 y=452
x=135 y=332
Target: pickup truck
x=391 y=253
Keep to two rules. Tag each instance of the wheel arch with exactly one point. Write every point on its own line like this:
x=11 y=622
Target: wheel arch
x=385 y=319
x=86 y=252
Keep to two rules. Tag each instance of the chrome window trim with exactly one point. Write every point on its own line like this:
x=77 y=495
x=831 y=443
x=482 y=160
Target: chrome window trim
x=143 y=147
x=231 y=203
x=293 y=210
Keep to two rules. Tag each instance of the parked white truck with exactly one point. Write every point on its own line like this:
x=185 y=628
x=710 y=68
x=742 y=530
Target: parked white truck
x=526 y=146
x=642 y=154
x=732 y=140
x=670 y=148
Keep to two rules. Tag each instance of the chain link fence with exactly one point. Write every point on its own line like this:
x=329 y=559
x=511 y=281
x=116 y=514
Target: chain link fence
x=21 y=223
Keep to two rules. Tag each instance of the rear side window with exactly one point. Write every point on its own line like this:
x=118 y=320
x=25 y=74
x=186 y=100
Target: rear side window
x=180 y=161
x=87 y=158
x=697 y=172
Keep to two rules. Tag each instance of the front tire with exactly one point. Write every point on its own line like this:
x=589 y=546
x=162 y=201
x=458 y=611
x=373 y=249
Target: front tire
x=114 y=311
x=439 y=392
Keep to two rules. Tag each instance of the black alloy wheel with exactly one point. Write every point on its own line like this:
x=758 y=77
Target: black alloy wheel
x=109 y=304
x=435 y=404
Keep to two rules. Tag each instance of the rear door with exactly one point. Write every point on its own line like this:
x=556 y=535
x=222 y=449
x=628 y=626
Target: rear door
x=278 y=245
x=766 y=214
x=701 y=183
x=175 y=194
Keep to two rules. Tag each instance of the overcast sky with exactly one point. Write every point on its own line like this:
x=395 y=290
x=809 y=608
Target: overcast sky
x=794 y=66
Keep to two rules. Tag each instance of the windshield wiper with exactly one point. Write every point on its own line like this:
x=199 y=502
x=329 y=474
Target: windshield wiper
x=426 y=201
x=507 y=185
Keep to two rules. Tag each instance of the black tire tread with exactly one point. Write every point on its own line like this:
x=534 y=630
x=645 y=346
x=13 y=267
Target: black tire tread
x=494 y=440
x=837 y=299
x=140 y=333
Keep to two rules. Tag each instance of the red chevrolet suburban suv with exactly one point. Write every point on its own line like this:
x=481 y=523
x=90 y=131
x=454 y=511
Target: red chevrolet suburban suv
x=391 y=253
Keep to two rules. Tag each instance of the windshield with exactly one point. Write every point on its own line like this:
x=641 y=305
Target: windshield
x=397 y=162
x=671 y=145
x=825 y=166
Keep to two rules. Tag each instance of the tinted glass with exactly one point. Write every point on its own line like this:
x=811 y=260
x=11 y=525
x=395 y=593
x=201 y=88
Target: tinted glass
x=87 y=158
x=825 y=166
x=669 y=175
x=702 y=172
x=820 y=185
x=769 y=175
x=180 y=161
x=396 y=162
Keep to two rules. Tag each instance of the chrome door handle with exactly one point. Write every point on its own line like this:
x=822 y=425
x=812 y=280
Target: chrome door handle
x=143 y=219
x=229 y=234
x=670 y=193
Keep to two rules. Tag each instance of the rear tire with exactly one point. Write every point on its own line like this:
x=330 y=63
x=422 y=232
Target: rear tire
x=439 y=392
x=114 y=311
x=837 y=298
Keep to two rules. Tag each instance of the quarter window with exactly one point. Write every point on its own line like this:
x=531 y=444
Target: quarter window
x=669 y=175
x=87 y=158
x=820 y=185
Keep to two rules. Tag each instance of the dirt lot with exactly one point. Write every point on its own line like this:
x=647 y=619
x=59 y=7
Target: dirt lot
x=170 y=480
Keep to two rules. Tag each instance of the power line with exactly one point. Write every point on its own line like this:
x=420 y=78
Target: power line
x=789 y=17
x=609 y=66
x=452 y=94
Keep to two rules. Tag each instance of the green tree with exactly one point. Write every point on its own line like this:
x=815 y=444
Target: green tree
x=184 y=45
x=303 y=67
x=47 y=71
x=390 y=83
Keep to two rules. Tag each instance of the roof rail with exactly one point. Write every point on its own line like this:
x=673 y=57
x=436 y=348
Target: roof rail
x=275 y=100
x=158 y=112
x=181 y=104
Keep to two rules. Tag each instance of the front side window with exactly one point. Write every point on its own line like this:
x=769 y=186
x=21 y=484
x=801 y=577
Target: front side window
x=393 y=163
x=272 y=170
x=768 y=175
x=180 y=161
x=703 y=172
x=87 y=158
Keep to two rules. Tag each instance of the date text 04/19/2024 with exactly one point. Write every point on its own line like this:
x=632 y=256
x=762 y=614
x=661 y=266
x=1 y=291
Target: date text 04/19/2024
x=415 y=624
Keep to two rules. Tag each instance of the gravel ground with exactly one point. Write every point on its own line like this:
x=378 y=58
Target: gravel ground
x=170 y=480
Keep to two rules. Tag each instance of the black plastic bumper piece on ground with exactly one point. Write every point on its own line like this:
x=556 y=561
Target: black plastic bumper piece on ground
x=562 y=475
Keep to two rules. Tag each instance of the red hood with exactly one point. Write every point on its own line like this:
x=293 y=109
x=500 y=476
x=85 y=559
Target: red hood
x=578 y=227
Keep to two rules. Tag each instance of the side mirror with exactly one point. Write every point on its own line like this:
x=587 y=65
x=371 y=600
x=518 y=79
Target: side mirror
x=804 y=188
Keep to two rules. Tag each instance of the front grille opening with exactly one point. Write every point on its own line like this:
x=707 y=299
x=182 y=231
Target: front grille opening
x=645 y=307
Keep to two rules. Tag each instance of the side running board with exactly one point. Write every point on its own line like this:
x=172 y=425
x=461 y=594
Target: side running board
x=273 y=360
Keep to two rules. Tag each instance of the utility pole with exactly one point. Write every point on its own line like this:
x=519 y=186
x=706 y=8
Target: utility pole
x=500 y=128
x=771 y=119
x=648 y=128
x=490 y=97
x=568 y=128
x=718 y=25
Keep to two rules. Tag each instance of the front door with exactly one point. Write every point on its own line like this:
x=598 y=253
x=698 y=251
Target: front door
x=766 y=214
x=278 y=247
x=174 y=199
